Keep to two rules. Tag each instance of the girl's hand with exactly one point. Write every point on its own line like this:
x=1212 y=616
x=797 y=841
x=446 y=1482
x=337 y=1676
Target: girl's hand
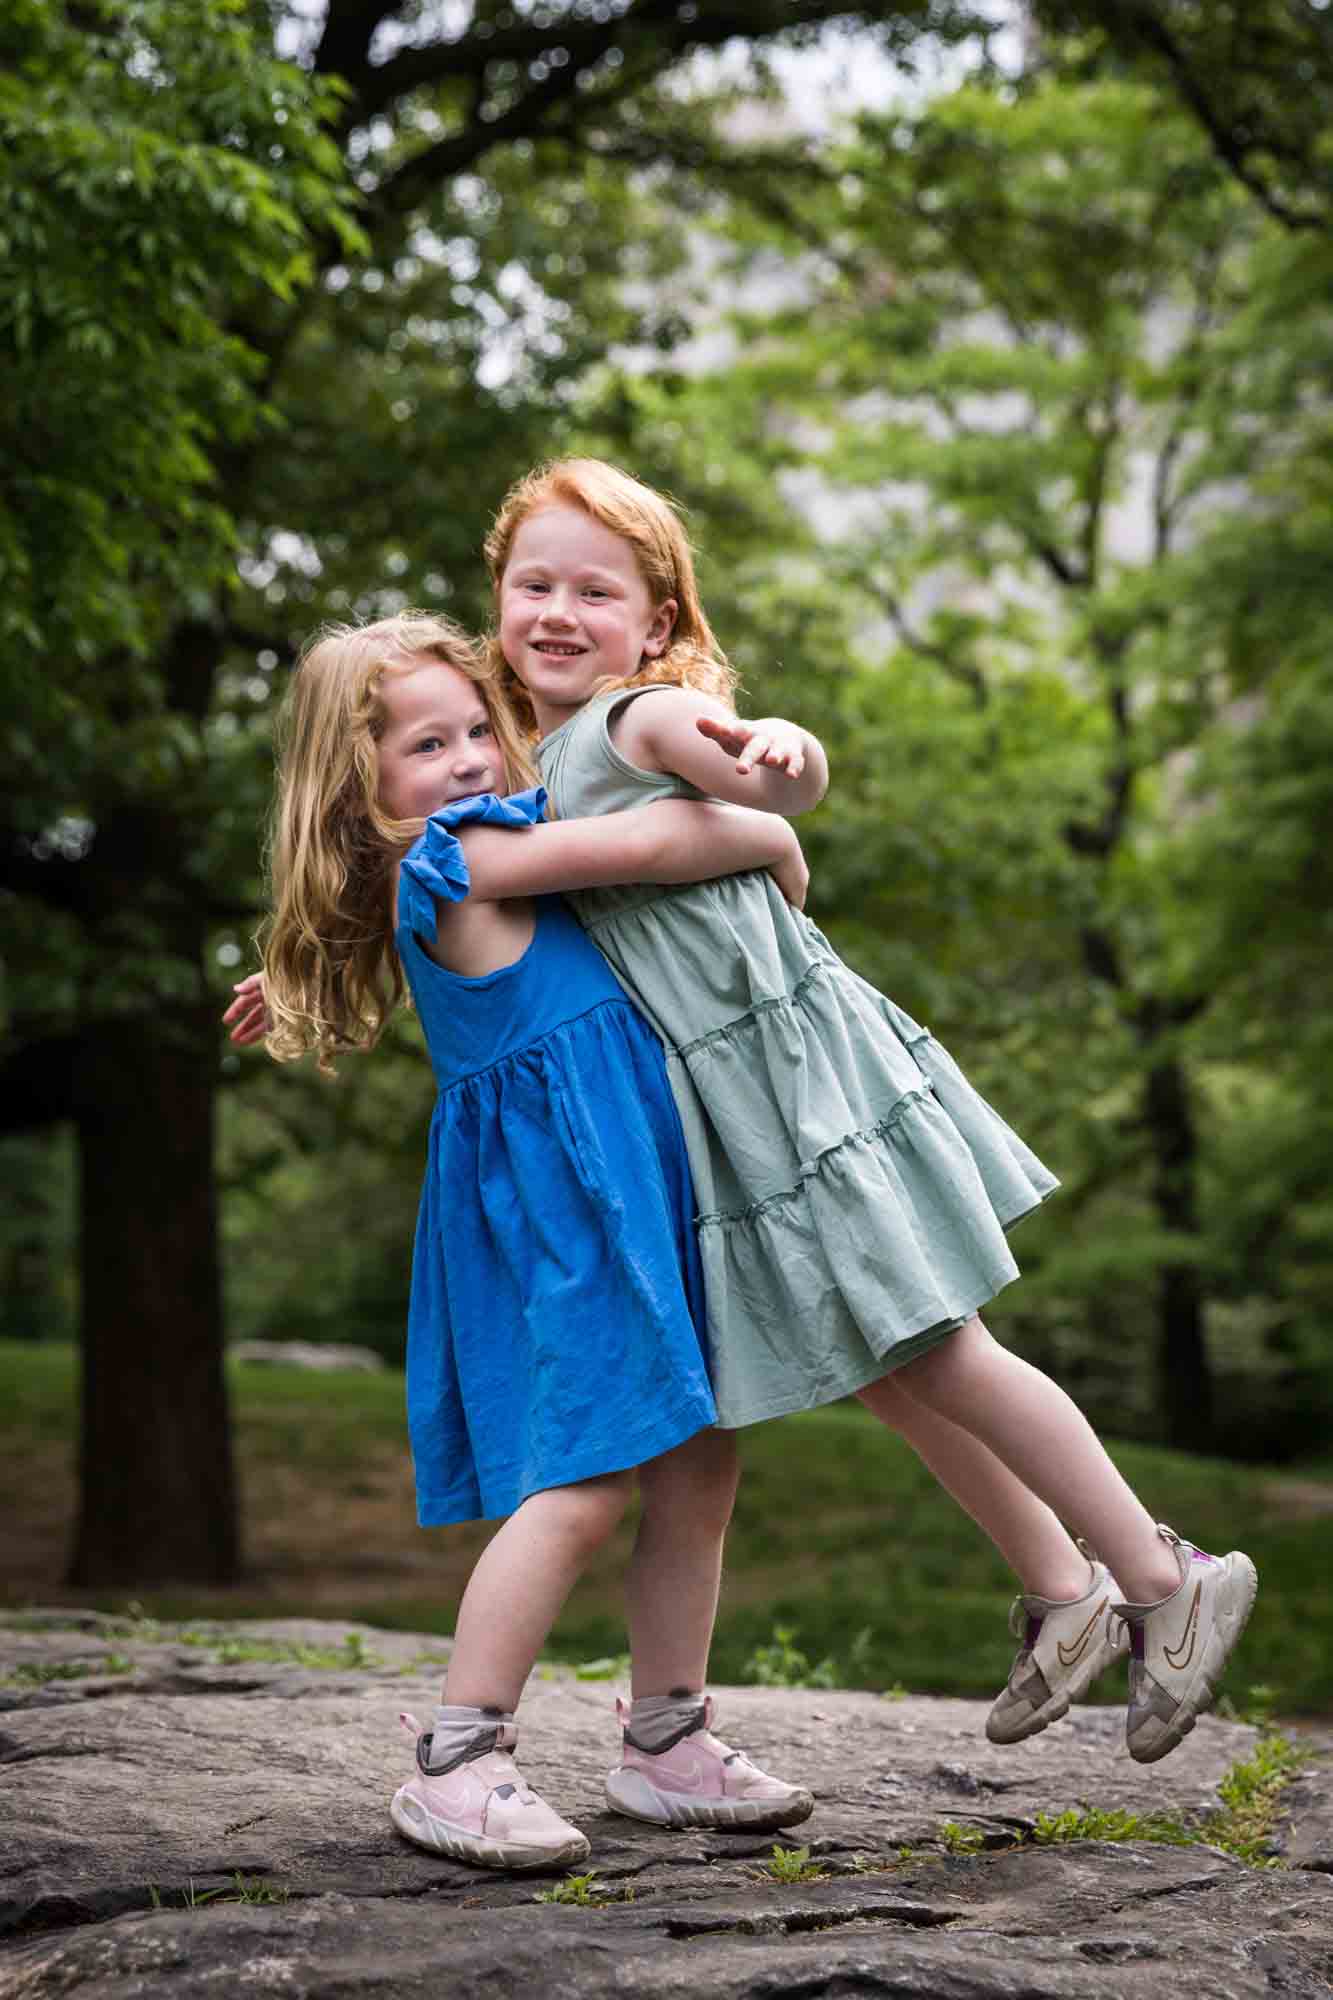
x=773 y=741
x=777 y=767
x=247 y=1015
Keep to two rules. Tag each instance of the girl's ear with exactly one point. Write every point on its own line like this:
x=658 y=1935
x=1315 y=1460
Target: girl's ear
x=659 y=632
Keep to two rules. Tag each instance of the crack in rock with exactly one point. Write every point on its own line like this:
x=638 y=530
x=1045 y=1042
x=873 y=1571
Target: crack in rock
x=792 y=1923
x=104 y=1867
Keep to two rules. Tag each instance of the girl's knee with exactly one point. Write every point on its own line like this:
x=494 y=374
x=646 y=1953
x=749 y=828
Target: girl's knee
x=585 y=1515
x=967 y=1348
x=696 y=1482
x=886 y=1399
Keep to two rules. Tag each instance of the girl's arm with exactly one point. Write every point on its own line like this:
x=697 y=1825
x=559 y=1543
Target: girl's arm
x=773 y=764
x=670 y=840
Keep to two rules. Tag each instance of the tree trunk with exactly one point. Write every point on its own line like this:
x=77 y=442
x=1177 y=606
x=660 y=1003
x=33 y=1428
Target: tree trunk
x=158 y=1500
x=1185 y=1388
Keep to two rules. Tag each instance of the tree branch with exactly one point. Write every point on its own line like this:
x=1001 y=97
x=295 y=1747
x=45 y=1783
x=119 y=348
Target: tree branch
x=1233 y=151
x=660 y=30
x=966 y=672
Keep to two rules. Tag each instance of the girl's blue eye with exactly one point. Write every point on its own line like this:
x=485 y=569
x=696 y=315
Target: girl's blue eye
x=429 y=743
x=480 y=729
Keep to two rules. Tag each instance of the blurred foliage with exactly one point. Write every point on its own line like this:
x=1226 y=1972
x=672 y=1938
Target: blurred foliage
x=1256 y=76
x=1060 y=390
x=1002 y=425
x=159 y=163
x=287 y=297
x=856 y=1568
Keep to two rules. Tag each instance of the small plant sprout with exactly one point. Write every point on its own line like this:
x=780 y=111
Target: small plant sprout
x=576 y=1889
x=962 y=1839
x=868 y=1864
x=793 y=1864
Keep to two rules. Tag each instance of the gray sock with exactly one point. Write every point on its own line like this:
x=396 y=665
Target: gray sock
x=658 y=1721
x=460 y=1734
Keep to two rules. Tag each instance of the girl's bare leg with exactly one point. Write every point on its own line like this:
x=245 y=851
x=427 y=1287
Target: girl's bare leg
x=1023 y=1528
x=522 y=1578
x=676 y=1567
x=1030 y=1425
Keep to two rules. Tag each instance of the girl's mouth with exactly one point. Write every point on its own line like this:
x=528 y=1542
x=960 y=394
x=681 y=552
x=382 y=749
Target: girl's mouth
x=555 y=650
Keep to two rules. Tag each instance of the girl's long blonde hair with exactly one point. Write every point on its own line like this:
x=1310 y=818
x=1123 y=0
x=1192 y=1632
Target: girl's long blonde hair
x=651 y=525
x=332 y=976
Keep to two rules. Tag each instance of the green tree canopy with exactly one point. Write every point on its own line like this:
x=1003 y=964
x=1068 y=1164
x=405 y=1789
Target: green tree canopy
x=288 y=303
x=1060 y=376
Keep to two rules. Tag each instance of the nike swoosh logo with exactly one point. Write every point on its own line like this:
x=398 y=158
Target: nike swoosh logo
x=450 y=1800
x=1180 y=1656
x=691 y=1780
x=1071 y=1654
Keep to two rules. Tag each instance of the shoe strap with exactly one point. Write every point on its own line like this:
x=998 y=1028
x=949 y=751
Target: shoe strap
x=695 y=1715
x=501 y=1735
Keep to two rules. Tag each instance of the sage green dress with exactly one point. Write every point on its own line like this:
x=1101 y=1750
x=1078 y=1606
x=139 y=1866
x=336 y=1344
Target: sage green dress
x=853 y=1188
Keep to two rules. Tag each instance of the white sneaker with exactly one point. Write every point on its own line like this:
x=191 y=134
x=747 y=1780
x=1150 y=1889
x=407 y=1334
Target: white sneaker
x=1180 y=1645
x=1066 y=1644
x=482 y=1811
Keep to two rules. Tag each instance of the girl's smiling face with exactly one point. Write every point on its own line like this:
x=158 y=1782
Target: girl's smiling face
x=574 y=610
x=437 y=744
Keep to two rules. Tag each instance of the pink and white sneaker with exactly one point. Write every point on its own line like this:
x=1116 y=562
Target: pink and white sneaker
x=700 y=1781
x=481 y=1810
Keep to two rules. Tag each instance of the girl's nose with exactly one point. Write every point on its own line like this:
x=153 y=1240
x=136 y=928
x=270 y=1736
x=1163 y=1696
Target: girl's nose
x=556 y=611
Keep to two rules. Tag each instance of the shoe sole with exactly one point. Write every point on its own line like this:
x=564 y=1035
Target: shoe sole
x=629 y=1792
x=441 y=1836
x=1228 y=1625
x=1106 y=1656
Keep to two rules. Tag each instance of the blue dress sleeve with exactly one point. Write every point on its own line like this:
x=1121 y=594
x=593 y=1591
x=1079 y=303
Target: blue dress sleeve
x=434 y=871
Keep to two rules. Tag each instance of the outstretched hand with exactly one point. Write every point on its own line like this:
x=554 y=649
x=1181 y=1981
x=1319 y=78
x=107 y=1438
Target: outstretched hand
x=247 y=1016
x=778 y=744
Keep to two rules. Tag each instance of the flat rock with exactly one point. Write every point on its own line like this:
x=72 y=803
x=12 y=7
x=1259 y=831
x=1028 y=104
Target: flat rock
x=202 y=1811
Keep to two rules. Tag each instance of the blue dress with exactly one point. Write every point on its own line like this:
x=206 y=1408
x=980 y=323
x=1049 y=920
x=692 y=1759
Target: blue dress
x=557 y=1304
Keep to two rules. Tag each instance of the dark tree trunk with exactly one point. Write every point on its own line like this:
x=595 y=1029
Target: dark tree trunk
x=157 y=1487
x=1185 y=1388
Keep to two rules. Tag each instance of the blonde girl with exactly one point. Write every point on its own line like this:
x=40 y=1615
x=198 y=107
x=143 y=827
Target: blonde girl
x=555 y=1352
x=854 y=1190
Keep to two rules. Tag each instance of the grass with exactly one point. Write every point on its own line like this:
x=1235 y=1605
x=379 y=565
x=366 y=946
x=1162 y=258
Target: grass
x=1251 y=1800
x=1053 y=1829
x=37 y=1673
x=845 y=1566
x=1251 y=1795
x=241 y=1889
x=234 y=1649
x=781 y=1663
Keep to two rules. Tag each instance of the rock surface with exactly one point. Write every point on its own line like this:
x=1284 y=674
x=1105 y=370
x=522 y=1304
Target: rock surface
x=205 y=1814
